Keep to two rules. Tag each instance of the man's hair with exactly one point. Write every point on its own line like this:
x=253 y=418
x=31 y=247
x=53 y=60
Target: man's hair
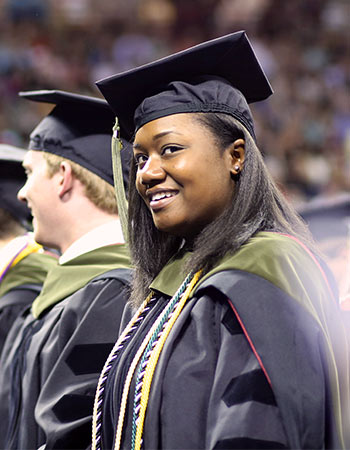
x=97 y=190
x=9 y=226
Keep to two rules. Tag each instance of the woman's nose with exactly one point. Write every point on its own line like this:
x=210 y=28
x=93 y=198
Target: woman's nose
x=152 y=172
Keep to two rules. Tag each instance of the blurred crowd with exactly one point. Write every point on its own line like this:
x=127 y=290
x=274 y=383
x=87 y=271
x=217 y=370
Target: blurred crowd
x=303 y=130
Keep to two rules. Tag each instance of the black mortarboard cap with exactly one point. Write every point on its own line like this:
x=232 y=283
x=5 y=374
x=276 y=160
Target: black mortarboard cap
x=78 y=128
x=220 y=75
x=12 y=178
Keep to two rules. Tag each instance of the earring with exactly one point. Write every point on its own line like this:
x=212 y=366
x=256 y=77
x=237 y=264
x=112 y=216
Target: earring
x=237 y=168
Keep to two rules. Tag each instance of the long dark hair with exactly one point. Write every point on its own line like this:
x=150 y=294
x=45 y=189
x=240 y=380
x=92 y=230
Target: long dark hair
x=257 y=205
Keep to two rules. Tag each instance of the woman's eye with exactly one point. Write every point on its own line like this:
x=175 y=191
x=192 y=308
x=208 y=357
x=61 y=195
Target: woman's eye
x=169 y=149
x=140 y=160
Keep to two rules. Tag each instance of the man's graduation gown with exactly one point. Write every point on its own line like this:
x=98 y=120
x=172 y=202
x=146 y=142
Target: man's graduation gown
x=20 y=286
x=51 y=363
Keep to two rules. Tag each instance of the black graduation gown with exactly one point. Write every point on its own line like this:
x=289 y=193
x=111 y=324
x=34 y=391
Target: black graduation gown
x=246 y=364
x=51 y=363
x=23 y=284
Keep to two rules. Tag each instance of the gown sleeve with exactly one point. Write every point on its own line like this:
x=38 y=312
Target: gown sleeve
x=11 y=306
x=244 y=367
x=242 y=409
x=290 y=383
x=213 y=373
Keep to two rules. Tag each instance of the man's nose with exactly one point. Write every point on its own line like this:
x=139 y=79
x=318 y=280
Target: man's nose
x=22 y=193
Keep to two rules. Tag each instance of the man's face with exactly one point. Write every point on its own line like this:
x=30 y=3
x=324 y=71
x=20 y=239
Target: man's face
x=39 y=193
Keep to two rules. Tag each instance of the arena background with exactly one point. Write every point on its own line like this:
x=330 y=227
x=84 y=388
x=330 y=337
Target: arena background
x=303 y=129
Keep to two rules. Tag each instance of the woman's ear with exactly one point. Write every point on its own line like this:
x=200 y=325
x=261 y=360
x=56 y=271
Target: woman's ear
x=236 y=155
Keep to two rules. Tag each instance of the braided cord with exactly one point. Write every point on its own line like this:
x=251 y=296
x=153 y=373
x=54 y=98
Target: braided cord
x=129 y=378
x=136 y=359
x=126 y=391
x=150 y=343
x=97 y=411
x=153 y=360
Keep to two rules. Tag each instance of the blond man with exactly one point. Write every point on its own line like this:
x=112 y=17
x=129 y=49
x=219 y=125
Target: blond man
x=50 y=368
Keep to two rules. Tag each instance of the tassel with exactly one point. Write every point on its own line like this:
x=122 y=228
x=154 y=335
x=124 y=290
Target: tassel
x=117 y=147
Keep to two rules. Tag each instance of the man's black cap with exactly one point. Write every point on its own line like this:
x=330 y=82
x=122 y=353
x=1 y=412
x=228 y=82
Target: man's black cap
x=78 y=128
x=12 y=178
x=220 y=75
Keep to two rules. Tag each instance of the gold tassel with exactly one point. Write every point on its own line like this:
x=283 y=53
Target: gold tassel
x=117 y=147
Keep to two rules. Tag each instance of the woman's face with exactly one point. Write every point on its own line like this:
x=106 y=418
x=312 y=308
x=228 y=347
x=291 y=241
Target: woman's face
x=183 y=177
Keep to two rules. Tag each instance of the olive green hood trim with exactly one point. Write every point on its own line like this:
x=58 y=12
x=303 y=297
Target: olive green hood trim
x=269 y=255
x=65 y=279
x=172 y=275
x=30 y=270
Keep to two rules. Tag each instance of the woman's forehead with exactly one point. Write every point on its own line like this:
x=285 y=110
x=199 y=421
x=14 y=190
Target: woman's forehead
x=175 y=124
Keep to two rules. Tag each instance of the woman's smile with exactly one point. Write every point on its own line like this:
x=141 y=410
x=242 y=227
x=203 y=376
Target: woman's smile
x=159 y=198
x=182 y=176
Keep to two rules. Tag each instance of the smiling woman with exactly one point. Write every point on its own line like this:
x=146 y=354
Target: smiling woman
x=237 y=340
x=173 y=176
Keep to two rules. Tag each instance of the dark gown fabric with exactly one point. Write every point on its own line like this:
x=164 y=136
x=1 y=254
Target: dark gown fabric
x=51 y=363
x=246 y=365
x=21 y=285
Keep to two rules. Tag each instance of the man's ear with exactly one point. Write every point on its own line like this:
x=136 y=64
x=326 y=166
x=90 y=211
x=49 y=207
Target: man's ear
x=65 y=180
x=236 y=156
